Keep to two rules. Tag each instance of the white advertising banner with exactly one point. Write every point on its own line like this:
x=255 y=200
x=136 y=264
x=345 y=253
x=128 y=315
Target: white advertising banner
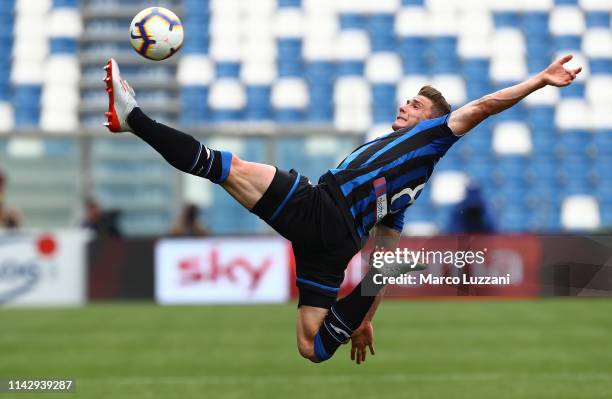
x=223 y=270
x=43 y=269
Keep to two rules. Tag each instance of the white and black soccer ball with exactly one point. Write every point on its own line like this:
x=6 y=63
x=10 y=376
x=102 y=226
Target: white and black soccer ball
x=156 y=33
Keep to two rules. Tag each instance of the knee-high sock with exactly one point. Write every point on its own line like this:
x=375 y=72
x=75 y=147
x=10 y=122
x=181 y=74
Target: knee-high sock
x=344 y=317
x=180 y=149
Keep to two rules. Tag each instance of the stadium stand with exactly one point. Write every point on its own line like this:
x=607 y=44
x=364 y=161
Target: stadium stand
x=343 y=65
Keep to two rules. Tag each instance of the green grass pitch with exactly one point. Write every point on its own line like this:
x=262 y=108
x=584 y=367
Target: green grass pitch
x=441 y=349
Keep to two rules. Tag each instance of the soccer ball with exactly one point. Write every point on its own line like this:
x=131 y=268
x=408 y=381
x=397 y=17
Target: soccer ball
x=156 y=33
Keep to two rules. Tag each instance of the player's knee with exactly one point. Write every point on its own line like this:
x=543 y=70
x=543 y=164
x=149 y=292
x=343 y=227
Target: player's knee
x=306 y=349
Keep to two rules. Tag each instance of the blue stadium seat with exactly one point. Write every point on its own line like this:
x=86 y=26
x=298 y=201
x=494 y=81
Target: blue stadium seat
x=258 y=103
x=600 y=65
x=350 y=68
x=63 y=45
x=319 y=72
x=598 y=19
x=475 y=70
x=540 y=118
x=351 y=21
x=507 y=19
x=413 y=2
x=289 y=3
x=412 y=50
x=567 y=42
x=227 y=69
x=576 y=89
x=534 y=24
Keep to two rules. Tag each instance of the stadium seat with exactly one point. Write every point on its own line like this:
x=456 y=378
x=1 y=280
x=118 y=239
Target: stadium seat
x=580 y=212
x=512 y=138
x=290 y=99
x=448 y=187
x=227 y=99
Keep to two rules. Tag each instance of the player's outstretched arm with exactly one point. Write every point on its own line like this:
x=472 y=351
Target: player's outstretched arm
x=471 y=114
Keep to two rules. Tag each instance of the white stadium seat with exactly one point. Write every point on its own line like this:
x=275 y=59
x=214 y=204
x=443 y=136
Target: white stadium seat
x=548 y=95
x=452 y=87
x=227 y=94
x=7 y=118
x=27 y=72
x=352 y=45
x=506 y=5
x=580 y=212
x=62 y=68
x=258 y=49
x=601 y=117
x=324 y=26
x=474 y=45
x=290 y=93
x=32 y=6
x=320 y=6
x=448 y=187
x=226 y=7
x=288 y=23
x=598 y=90
x=536 y=5
x=226 y=49
x=229 y=27
x=258 y=72
x=318 y=49
x=572 y=114
x=508 y=43
x=353 y=119
x=29 y=49
x=595 y=5
x=443 y=23
x=409 y=86
x=412 y=21
x=566 y=20
x=597 y=43
x=512 y=138
x=195 y=70
x=368 y=6
x=34 y=27
x=383 y=68
x=476 y=22
x=259 y=8
x=508 y=69
x=65 y=22
x=352 y=91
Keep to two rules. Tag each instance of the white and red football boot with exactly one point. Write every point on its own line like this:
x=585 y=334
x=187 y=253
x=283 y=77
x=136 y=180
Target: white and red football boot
x=121 y=99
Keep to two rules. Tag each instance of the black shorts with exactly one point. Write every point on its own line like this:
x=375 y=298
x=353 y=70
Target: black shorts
x=311 y=218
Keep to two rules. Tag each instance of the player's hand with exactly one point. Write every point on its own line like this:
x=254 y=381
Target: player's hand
x=558 y=75
x=362 y=337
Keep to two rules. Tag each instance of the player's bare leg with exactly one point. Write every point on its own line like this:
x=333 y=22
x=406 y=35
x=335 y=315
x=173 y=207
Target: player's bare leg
x=245 y=181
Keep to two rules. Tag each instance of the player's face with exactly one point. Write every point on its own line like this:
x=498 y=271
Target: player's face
x=415 y=110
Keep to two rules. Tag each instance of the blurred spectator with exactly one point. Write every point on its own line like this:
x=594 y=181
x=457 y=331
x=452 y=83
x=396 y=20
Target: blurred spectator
x=188 y=225
x=10 y=219
x=473 y=214
x=103 y=223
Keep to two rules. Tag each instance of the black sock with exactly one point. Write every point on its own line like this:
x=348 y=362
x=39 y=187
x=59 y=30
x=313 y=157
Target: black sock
x=180 y=149
x=344 y=317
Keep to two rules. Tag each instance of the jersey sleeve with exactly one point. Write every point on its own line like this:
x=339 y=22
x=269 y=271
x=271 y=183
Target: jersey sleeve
x=394 y=221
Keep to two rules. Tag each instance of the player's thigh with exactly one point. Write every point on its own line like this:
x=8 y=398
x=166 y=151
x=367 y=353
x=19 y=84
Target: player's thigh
x=248 y=181
x=309 y=320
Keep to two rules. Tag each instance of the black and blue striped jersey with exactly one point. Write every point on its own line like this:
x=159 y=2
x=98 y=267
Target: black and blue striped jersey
x=382 y=178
